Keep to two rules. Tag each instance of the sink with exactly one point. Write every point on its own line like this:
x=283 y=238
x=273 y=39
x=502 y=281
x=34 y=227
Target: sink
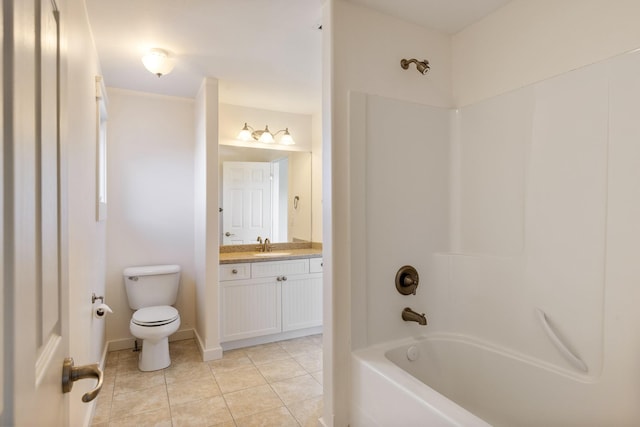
x=271 y=254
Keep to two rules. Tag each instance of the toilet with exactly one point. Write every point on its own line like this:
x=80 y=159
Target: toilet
x=151 y=291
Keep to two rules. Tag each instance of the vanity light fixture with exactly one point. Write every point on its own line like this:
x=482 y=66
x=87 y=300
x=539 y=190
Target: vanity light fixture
x=422 y=66
x=158 y=62
x=265 y=136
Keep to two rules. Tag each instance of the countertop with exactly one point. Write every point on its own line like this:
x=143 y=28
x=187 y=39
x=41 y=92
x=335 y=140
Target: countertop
x=276 y=255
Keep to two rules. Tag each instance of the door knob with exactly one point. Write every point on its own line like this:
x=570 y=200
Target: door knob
x=72 y=373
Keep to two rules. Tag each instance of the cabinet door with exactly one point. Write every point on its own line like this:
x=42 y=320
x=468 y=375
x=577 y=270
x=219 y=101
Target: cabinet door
x=302 y=301
x=250 y=308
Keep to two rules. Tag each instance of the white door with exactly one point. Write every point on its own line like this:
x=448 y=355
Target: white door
x=246 y=202
x=34 y=340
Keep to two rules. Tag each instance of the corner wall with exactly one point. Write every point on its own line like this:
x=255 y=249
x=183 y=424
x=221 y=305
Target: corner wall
x=206 y=222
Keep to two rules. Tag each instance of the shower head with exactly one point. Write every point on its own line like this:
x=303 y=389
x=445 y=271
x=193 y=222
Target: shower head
x=422 y=66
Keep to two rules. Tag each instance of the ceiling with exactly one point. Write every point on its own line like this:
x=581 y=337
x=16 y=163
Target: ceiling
x=265 y=53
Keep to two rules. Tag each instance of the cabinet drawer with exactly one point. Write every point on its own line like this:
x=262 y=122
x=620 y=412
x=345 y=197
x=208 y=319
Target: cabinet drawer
x=278 y=268
x=235 y=271
x=315 y=265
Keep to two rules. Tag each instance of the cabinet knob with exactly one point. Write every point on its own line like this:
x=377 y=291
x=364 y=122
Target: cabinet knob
x=284 y=278
x=234 y=271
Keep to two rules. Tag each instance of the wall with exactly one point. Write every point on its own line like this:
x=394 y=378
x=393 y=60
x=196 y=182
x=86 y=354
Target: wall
x=528 y=41
x=316 y=177
x=86 y=237
x=206 y=250
x=150 y=197
x=233 y=117
x=365 y=49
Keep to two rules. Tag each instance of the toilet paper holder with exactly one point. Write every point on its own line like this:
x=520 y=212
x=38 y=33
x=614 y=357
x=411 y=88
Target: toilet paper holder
x=94 y=298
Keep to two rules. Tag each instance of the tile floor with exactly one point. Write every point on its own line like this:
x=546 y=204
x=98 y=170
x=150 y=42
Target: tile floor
x=276 y=384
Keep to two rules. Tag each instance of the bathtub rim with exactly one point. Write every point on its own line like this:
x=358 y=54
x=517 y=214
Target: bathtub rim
x=375 y=359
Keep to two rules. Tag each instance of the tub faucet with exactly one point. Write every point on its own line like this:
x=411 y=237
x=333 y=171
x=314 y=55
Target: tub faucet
x=409 y=315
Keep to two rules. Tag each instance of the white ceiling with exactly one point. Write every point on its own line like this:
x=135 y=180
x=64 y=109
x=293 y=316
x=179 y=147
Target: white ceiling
x=448 y=16
x=265 y=53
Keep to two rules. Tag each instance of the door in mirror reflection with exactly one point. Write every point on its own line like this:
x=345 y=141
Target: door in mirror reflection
x=247 y=200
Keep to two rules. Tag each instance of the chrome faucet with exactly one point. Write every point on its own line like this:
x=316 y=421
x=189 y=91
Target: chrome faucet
x=266 y=247
x=409 y=315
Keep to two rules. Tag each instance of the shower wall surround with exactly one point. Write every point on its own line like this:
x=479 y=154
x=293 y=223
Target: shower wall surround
x=526 y=200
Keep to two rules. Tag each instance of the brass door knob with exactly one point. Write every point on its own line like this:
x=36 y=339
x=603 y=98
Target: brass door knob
x=72 y=373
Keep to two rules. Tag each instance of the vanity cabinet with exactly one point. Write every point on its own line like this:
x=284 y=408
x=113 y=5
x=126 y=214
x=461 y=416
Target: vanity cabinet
x=272 y=297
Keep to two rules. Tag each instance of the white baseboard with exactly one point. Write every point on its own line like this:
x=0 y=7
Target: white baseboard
x=207 y=353
x=248 y=342
x=127 y=343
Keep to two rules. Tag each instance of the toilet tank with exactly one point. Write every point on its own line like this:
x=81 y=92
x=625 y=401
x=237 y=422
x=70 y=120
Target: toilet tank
x=151 y=285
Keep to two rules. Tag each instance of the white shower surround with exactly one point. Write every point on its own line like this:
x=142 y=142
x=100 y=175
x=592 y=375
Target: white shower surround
x=541 y=211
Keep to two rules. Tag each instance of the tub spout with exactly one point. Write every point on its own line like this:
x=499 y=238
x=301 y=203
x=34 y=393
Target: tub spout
x=409 y=315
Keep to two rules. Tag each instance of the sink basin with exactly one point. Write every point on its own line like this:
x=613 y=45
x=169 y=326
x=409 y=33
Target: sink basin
x=271 y=254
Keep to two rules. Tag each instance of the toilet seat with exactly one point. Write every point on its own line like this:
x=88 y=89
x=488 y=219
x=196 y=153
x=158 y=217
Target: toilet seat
x=155 y=316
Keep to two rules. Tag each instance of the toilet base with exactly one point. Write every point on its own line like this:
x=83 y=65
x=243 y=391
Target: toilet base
x=154 y=355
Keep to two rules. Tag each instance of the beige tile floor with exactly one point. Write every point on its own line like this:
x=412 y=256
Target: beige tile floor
x=276 y=384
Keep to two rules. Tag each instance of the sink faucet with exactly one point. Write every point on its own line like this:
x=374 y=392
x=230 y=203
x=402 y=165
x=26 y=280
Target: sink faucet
x=260 y=247
x=266 y=247
x=409 y=315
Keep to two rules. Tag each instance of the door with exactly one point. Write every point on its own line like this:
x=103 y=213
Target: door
x=246 y=202
x=34 y=339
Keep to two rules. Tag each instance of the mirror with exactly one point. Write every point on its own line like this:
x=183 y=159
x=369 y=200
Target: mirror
x=264 y=193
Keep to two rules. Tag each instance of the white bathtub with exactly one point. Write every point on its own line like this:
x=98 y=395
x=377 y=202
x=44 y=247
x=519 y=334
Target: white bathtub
x=456 y=381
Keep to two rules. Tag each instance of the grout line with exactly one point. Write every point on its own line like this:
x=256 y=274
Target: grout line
x=244 y=353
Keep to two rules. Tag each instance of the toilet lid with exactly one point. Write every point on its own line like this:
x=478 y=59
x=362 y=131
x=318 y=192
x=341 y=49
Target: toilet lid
x=155 y=316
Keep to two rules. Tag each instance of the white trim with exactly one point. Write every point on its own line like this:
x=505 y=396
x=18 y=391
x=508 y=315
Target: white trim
x=248 y=342
x=126 y=343
x=207 y=353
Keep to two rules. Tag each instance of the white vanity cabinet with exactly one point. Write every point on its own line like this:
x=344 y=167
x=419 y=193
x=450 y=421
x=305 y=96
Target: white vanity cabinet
x=269 y=298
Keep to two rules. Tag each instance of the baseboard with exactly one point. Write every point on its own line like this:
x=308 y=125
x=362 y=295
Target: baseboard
x=248 y=342
x=207 y=353
x=127 y=343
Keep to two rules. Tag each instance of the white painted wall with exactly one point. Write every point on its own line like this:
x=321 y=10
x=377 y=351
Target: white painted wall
x=527 y=41
x=316 y=177
x=233 y=117
x=86 y=237
x=206 y=252
x=150 y=197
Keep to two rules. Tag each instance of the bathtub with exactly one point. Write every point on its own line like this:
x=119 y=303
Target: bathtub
x=458 y=381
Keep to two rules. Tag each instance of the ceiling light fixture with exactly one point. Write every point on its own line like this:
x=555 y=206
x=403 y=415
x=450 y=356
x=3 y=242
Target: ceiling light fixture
x=158 y=62
x=265 y=136
x=422 y=66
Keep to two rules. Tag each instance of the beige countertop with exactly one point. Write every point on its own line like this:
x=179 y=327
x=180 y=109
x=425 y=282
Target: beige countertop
x=275 y=255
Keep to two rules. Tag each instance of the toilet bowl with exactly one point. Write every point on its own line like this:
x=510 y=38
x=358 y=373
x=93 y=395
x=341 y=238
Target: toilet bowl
x=153 y=325
x=151 y=291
